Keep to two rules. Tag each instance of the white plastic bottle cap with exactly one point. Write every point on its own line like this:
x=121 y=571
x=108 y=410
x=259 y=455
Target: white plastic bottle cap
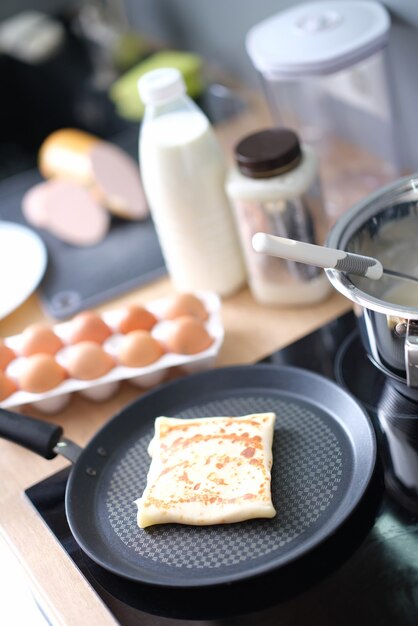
x=162 y=85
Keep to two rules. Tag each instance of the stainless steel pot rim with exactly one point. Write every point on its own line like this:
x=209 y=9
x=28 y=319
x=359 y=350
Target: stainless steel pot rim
x=386 y=371
x=401 y=190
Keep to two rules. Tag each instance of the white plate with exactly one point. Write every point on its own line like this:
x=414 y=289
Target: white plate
x=23 y=259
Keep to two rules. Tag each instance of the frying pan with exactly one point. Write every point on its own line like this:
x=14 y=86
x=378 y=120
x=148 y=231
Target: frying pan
x=324 y=453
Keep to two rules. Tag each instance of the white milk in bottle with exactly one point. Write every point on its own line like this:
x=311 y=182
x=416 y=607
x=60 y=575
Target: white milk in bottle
x=183 y=175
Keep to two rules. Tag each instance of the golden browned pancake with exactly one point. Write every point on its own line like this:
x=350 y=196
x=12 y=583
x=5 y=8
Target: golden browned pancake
x=210 y=470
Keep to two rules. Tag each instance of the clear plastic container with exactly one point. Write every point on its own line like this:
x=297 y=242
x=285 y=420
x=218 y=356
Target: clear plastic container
x=275 y=189
x=324 y=74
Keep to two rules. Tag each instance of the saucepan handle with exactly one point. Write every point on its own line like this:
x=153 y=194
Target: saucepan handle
x=411 y=353
x=31 y=433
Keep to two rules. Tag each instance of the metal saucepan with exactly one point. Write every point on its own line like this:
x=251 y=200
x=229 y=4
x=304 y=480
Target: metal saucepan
x=324 y=454
x=385 y=226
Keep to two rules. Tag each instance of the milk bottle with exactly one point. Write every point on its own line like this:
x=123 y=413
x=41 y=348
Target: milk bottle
x=183 y=176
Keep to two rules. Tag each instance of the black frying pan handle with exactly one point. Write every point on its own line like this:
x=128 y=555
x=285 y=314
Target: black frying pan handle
x=36 y=435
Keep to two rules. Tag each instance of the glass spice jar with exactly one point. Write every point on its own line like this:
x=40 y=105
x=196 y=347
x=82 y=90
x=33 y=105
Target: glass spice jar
x=274 y=187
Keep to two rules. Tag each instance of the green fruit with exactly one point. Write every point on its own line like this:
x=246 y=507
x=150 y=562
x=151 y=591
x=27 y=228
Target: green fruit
x=124 y=91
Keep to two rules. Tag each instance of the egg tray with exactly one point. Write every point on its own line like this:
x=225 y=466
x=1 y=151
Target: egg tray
x=102 y=388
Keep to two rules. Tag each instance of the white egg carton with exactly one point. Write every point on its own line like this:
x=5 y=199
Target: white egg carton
x=101 y=389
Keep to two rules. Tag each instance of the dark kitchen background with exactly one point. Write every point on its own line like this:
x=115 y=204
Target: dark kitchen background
x=59 y=73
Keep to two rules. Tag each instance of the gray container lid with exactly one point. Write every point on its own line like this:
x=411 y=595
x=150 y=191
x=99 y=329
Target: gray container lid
x=317 y=38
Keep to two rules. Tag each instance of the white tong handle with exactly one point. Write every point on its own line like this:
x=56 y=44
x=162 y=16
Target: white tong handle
x=320 y=256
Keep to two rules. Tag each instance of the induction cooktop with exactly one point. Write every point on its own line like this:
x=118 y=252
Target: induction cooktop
x=367 y=574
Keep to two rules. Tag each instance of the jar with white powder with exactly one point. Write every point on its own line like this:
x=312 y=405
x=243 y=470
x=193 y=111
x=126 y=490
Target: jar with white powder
x=275 y=188
x=183 y=174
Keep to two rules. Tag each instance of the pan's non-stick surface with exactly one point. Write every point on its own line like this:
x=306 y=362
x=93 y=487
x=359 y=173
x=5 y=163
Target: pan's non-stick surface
x=323 y=458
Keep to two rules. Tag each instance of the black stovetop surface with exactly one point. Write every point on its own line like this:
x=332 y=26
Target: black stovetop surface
x=367 y=575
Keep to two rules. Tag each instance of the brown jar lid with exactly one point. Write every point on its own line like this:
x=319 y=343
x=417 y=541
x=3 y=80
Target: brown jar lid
x=268 y=153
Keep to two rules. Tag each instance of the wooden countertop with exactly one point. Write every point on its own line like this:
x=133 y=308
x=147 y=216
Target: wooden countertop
x=251 y=332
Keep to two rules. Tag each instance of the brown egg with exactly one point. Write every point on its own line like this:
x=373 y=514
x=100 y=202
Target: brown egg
x=188 y=336
x=136 y=317
x=139 y=348
x=40 y=373
x=186 y=304
x=40 y=338
x=89 y=326
x=6 y=355
x=87 y=360
x=7 y=386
